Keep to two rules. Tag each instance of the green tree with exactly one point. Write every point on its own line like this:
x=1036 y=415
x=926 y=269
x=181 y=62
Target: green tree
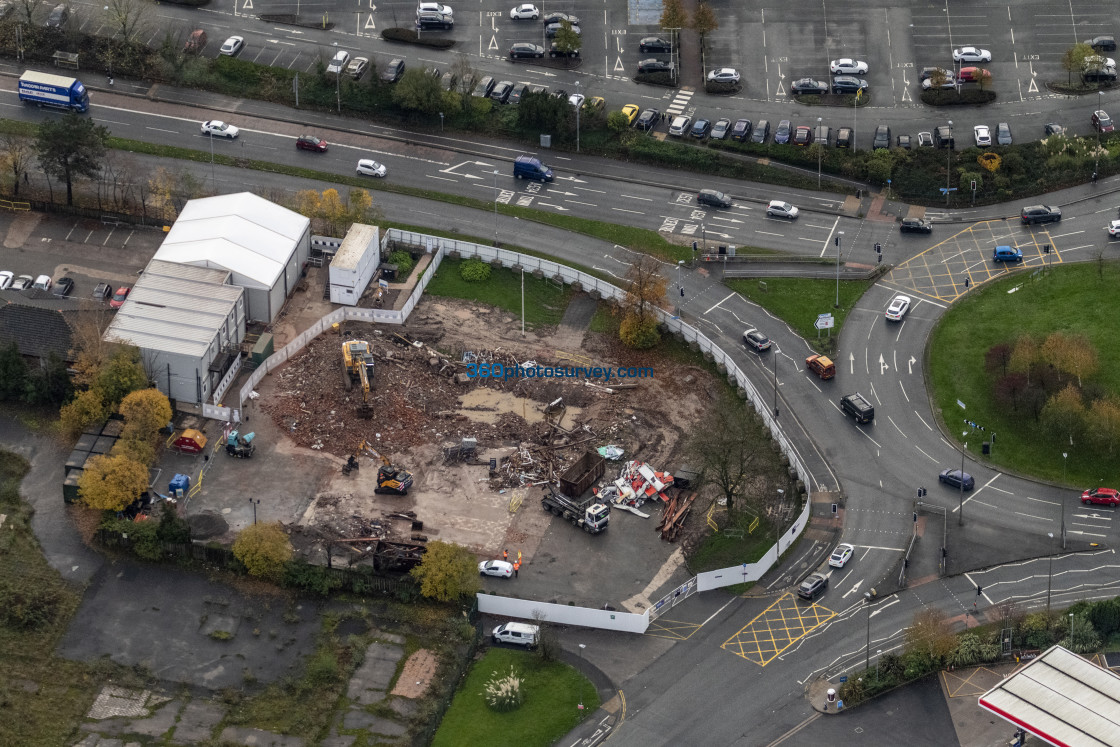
x=618 y=122
x=566 y=39
x=13 y=373
x=419 y=92
x=1104 y=414
x=704 y=19
x=447 y=572
x=264 y=549
x=70 y=147
x=673 y=16
x=938 y=78
x=1073 y=59
x=51 y=384
x=1082 y=637
x=109 y=483
x=121 y=374
x=727 y=448
x=539 y=112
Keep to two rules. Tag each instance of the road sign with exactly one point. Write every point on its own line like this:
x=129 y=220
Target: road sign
x=824 y=321
x=961 y=405
x=943 y=190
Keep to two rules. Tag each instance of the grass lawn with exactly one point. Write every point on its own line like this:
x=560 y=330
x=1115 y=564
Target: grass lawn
x=1067 y=299
x=544 y=300
x=552 y=691
x=798 y=301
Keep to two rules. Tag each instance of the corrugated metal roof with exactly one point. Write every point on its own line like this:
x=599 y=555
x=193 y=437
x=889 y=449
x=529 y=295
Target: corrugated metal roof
x=242 y=232
x=357 y=240
x=1061 y=698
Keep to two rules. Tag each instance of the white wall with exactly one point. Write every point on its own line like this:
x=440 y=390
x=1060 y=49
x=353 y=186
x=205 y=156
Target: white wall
x=562 y=614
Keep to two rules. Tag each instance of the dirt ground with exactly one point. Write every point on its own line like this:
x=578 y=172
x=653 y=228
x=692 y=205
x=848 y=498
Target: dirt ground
x=420 y=407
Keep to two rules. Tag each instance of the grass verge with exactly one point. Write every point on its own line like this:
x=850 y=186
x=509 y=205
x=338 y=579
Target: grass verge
x=544 y=301
x=552 y=691
x=798 y=302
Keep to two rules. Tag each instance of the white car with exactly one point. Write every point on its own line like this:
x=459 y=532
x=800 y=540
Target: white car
x=576 y=100
x=338 y=62
x=841 y=555
x=971 y=54
x=526 y=11
x=499 y=568
x=848 y=66
x=779 y=209
x=949 y=82
x=43 y=282
x=370 y=167
x=679 y=126
x=724 y=75
x=443 y=10
x=982 y=135
x=217 y=128
x=1096 y=61
x=6 y=278
x=232 y=46
x=22 y=282
x=898 y=308
x=1113 y=233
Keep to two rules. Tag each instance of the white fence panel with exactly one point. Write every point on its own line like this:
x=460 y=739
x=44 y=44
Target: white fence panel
x=562 y=614
x=214 y=412
x=224 y=384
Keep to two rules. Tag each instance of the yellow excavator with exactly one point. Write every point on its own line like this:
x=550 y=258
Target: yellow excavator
x=390 y=479
x=357 y=365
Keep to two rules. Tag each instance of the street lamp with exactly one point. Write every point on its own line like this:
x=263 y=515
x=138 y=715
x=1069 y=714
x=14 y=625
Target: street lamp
x=680 y=264
x=839 y=241
x=1064 y=455
x=1097 y=162
x=948 y=163
x=441 y=123
x=819 y=148
x=581 y=648
x=774 y=357
x=1050 y=573
x=867 y=648
x=960 y=503
x=495 y=207
x=578 y=107
x=778 y=528
x=254 y=502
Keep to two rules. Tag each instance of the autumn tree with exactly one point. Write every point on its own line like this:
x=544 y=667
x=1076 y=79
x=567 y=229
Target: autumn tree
x=645 y=292
x=727 y=447
x=70 y=147
x=110 y=483
x=1104 y=414
x=997 y=359
x=704 y=19
x=1063 y=415
x=145 y=412
x=264 y=549
x=1024 y=356
x=447 y=572
x=360 y=203
x=930 y=637
x=332 y=209
x=1073 y=355
x=87 y=408
x=89 y=348
x=673 y=15
x=121 y=374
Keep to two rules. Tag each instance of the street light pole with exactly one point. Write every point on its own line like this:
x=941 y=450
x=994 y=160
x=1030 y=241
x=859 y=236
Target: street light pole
x=1064 y=455
x=441 y=122
x=254 y=503
x=775 y=359
x=948 y=164
x=581 y=648
x=839 y=247
x=495 y=207
x=960 y=504
x=1097 y=162
x=778 y=529
x=577 y=116
x=867 y=648
x=680 y=263
x=819 y=148
x=1050 y=573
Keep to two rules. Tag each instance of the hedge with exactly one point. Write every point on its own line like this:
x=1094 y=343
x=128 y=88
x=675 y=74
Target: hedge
x=409 y=36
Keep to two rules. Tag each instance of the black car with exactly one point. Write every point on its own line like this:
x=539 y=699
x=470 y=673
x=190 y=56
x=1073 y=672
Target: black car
x=943 y=137
x=809 y=86
x=712 y=198
x=517 y=92
x=700 y=128
x=782 y=134
x=648 y=119
x=501 y=91
x=915 y=225
x=553 y=29
x=1053 y=128
x=741 y=130
x=524 y=49
x=1105 y=75
x=848 y=84
x=761 y=131
x=654 y=66
x=63 y=287
x=483 y=88
x=434 y=22
x=559 y=17
x=952 y=478
x=555 y=51
x=813 y=586
x=655 y=45
x=1040 y=214
x=882 y=138
x=903 y=141
x=1103 y=43
x=393 y=71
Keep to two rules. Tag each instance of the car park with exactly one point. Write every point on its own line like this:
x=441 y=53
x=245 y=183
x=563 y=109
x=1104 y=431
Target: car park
x=720 y=129
x=982 y=135
x=925 y=139
x=821 y=365
x=483 y=88
x=393 y=71
x=648 y=119
x=844 y=137
x=522 y=50
x=23 y=282
x=1004 y=253
x=903 y=141
x=6 y=279
x=1003 y=134
x=805 y=86
x=630 y=111
x=64 y=287
x=756 y=340
x=655 y=45
x=497 y=568
x=713 y=198
x=973 y=74
x=1101 y=121
x=338 y=62
x=783 y=133
x=848 y=84
x=841 y=555
x=558 y=17
x=310 y=142
x=552 y=29
x=847 y=66
x=119 y=297
x=653 y=65
x=1040 y=214
x=802 y=135
x=102 y=291
x=761 y=132
x=700 y=128
x=1102 y=497
x=369 y=167
x=679 y=126
x=813 y=586
x=971 y=54
x=943 y=137
x=1114 y=229
x=357 y=67
x=882 y=139
x=858 y=407
x=915 y=225
x=216 y=128
x=898 y=308
x=525 y=11
x=501 y=91
x=741 y=130
x=723 y=75
x=952 y=478
x=780 y=209
x=232 y=46
x=1102 y=43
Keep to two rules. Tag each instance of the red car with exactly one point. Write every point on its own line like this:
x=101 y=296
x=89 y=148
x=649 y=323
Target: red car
x=1103 y=496
x=803 y=135
x=973 y=74
x=118 y=298
x=310 y=142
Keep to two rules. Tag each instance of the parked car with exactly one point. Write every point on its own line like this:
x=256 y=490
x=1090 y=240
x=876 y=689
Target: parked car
x=216 y=128
x=558 y=17
x=119 y=297
x=1053 y=128
x=648 y=119
x=802 y=135
x=60 y=14
x=1101 y=121
x=1003 y=134
x=393 y=71
x=720 y=129
x=844 y=137
x=723 y=75
x=576 y=100
x=653 y=65
x=552 y=29
x=952 y=478
x=1040 y=214
x=630 y=111
x=806 y=86
x=848 y=84
x=102 y=291
x=555 y=51
x=928 y=72
x=438 y=8
x=700 y=128
x=903 y=141
x=1102 y=43
x=43 y=283
x=195 y=42
x=882 y=139
x=949 y=81
x=23 y=282
x=848 y=66
x=813 y=586
x=522 y=50
x=756 y=340
x=971 y=54
x=925 y=139
x=357 y=67
x=841 y=555
x=232 y=46
x=783 y=133
x=822 y=135
x=780 y=209
x=516 y=93
x=741 y=130
x=982 y=135
x=761 y=132
x=338 y=62
x=973 y=74
x=679 y=126
x=898 y=308
x=713 y=198
x=369 y=167
x=64 y=287
x=915 y=225
x=1102 y=75
x=943 y=137
x=501 y=91
x=525 y=11
x=655 y=45
x=483 y=88
x=6 y=277
x=1114 y=229
x=434 y=22
x=498 y=568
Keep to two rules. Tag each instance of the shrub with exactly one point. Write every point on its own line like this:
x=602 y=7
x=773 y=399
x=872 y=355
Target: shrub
x=1105 y=616
x=1035 y=631
x=639 y=334
x=302 y=575
x=474 y=270
x=28 y=606
x=503 y=692
x=264 y=549
x=947 y=97
x=409 y=36
x=721 y=87
x=657 y=79
x=404 y=262
x=1082 y=638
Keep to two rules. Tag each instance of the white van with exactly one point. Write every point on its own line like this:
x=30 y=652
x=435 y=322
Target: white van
x=520 y=633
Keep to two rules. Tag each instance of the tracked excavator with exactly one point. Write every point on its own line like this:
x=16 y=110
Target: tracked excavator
x=357 y=367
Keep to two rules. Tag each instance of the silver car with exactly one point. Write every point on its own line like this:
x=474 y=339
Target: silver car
x=1003 y=134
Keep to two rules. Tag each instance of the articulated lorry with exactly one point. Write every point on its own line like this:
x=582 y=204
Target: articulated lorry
x=54 y=91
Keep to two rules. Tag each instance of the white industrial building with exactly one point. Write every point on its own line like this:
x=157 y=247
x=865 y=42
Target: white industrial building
x=354 y=264
x=188 y=322
x=263 y=246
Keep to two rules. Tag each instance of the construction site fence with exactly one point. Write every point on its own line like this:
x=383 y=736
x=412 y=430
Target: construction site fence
x=562 y=614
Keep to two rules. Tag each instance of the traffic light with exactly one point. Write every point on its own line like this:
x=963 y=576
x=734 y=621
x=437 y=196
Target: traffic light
x=921 y=492
x=878 y=248
x=682 y=292
x=979 y=589
x=695 y=246
x=1046 y=249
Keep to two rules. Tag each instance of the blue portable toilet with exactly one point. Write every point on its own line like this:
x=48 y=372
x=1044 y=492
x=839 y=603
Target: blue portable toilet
x=179 y=485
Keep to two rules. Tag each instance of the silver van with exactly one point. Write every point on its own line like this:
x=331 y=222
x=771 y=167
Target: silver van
x=521 y=634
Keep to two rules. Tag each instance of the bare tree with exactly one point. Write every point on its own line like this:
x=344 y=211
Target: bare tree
x=18 y=154
x=464 y=78
x=127 y=18
x=28 y=9
x=727 y=447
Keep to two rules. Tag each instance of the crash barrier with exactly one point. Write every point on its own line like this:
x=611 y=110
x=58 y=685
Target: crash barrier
x=562 y=614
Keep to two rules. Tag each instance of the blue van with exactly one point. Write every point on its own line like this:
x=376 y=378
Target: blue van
x=1007 y=254
x=528 y=167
